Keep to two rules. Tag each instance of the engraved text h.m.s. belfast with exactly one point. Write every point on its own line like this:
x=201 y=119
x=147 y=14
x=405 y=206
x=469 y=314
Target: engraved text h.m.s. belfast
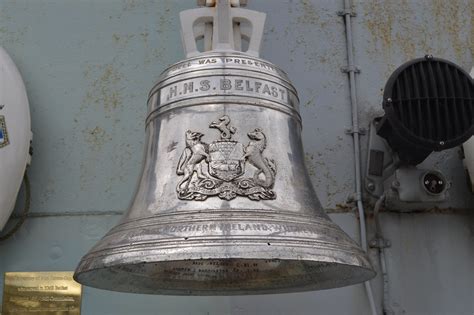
x=217 y=168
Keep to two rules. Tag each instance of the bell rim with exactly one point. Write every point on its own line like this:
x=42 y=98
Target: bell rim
x=288 y=237
x=365 y=273
x=351 y=259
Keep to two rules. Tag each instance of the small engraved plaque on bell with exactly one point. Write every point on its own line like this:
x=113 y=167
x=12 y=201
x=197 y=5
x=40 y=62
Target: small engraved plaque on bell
x=41 y=293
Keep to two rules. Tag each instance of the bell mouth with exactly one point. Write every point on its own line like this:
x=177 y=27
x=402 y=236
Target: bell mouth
x=234 y=276
x=224 y=253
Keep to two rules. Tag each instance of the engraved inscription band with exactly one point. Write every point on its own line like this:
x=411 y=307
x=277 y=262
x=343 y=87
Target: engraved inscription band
x=227 y=62
x=227 y=85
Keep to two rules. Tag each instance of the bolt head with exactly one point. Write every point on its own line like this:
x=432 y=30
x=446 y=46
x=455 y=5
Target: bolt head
x=371 y=186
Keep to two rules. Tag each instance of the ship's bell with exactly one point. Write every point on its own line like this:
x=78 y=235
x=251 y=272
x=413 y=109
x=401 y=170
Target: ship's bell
x=225 y=204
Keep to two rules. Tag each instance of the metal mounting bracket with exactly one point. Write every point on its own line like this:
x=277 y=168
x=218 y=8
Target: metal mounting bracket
x=416 y=185
x=346 y=12
x=348 y=69
x=381 y=163
x=380 y=243
x=409 y=183
x=212 y=3
x=351 y=131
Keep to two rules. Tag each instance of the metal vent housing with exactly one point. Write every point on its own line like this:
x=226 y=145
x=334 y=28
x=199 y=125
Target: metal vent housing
x=429 y=106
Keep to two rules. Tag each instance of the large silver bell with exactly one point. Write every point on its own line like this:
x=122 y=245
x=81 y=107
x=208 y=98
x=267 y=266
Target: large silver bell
x=225 y=204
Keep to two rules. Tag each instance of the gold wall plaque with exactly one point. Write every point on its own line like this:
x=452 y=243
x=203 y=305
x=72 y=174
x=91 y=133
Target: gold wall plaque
x=41 y=293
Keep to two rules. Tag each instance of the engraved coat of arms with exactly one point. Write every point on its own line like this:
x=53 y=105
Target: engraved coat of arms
x=219 y=168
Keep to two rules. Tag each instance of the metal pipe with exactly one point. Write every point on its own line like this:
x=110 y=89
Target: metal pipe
x=381 y=244
x=356 y=140
x=383 y=267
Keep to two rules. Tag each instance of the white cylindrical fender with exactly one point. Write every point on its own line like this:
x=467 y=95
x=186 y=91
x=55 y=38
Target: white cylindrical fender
x=15 y=135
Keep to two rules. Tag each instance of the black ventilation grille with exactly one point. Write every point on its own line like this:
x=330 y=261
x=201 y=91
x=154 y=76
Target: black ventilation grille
x=429 y=102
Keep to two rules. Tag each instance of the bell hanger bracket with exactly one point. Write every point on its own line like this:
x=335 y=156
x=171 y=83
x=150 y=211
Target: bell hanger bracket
x=222 y=25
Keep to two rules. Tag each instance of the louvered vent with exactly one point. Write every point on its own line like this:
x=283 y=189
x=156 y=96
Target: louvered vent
x=429 y=106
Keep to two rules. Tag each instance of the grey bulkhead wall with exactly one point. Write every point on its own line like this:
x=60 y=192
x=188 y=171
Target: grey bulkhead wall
x=88 y=66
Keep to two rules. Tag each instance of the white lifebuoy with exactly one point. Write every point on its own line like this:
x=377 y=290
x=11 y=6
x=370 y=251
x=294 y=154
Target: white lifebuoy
x=15 y=135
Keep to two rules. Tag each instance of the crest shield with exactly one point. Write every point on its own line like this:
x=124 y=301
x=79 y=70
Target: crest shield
x=226 y=160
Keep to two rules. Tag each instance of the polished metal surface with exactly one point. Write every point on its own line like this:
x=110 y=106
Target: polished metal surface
x=41 y=293
x=225 y=204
